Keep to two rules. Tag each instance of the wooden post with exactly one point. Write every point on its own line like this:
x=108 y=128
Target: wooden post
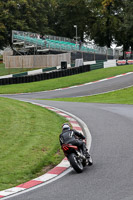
x=9 y=67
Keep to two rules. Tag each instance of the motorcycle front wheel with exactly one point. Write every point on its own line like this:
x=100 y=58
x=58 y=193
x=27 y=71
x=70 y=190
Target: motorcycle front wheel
x=75 y=162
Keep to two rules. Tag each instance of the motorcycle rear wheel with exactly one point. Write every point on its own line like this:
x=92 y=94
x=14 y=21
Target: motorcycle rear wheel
x=75 y=163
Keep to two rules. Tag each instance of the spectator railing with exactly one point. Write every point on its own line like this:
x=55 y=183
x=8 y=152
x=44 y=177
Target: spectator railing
x=51 y=42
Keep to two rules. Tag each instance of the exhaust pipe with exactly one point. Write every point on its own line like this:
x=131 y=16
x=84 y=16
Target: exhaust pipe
x=81 y=155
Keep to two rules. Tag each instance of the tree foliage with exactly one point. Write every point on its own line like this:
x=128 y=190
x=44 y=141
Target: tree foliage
x=104 y=21
x=70 y=13
x=124 y=35
x=23 y=15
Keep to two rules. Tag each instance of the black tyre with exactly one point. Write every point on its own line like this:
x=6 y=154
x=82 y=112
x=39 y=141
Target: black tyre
x=75 y=163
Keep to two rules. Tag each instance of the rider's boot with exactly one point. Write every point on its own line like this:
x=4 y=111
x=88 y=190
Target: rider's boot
x=88 y=156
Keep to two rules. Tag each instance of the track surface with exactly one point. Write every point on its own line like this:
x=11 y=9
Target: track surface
x=84 y=90
x=111 y=126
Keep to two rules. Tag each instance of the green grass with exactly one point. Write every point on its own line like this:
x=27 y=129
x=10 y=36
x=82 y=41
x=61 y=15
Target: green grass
x=123 y=96
x=4 y=71
x=29 y=141
x=65 y=81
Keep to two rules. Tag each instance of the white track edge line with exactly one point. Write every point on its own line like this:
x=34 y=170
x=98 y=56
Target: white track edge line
x=88 y=144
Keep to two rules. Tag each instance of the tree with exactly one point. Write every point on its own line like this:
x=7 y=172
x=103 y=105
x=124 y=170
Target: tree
x=50 y=11
x=22 y=15
x=10 y=19
x=104 y=21
x=70 y=13
x=125 y=31
x=2 y=26
x=129 y=22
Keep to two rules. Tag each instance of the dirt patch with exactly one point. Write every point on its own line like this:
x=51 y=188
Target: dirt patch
x=47 y=168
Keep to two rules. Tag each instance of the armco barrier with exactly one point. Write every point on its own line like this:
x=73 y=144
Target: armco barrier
x=20 y=74
x=99 y=65
x=45 y=76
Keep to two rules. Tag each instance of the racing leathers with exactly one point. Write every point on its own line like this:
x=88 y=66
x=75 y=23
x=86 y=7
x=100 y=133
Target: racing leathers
x=73 y=137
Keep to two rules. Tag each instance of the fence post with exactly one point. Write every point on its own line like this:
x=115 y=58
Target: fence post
x=107 y=54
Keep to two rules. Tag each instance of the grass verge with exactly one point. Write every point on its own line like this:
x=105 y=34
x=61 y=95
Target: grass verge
x=123 y=96
x=4 y=71
x=65 y=81
x=28 y=141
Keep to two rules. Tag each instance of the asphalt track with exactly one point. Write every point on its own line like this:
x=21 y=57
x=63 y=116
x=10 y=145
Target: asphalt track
x=111 y=127
x=83 y=90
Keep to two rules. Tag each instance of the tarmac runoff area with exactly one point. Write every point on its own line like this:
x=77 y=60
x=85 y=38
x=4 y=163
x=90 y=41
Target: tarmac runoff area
x=62 y=168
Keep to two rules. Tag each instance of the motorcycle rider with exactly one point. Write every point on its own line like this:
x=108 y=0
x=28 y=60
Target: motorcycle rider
x=71 y=136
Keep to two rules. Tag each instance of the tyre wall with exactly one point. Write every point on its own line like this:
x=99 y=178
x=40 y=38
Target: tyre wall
x=45 y=76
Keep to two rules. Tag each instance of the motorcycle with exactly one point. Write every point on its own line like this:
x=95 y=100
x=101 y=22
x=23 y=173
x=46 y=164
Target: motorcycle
x=76 y=157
